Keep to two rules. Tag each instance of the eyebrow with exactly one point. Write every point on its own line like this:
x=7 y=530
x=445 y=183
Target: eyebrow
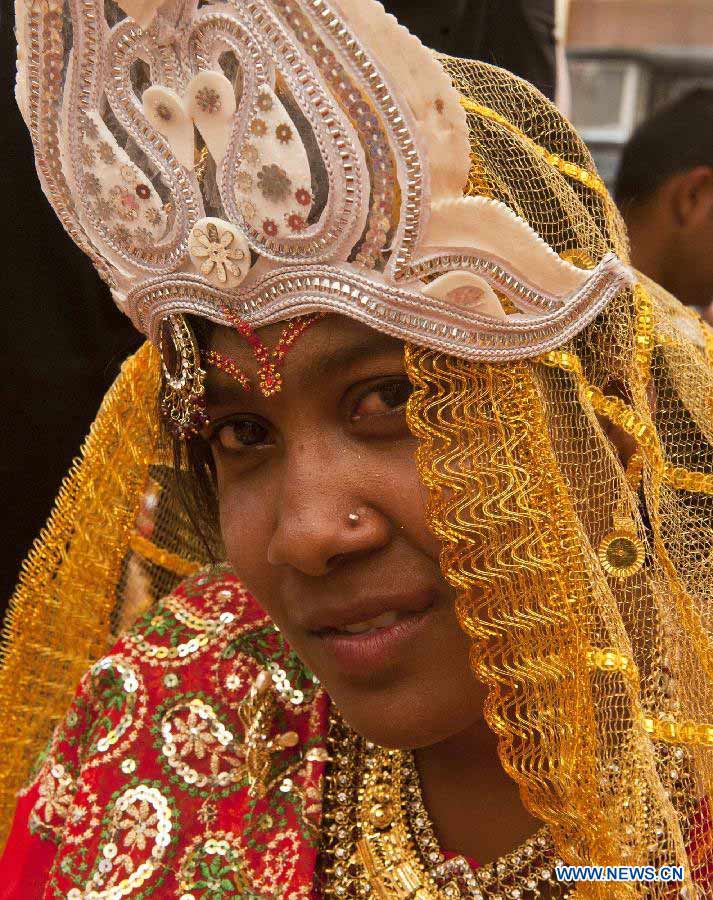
x=221 y=389
x=331 y=362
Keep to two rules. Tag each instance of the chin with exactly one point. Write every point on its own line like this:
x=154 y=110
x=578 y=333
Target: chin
x=406 y=719
x=404 y=697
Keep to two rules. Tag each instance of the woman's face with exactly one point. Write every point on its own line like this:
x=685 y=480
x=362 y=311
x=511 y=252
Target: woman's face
x=323 y=518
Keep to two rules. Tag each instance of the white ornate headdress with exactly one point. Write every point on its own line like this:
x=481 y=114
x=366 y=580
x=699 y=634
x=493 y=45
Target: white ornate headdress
x=263 y=159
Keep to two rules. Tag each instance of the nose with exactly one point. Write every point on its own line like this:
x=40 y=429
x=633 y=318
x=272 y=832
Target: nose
x=314 y=531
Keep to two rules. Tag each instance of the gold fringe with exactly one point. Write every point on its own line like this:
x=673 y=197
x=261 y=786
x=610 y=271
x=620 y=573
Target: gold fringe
x=58 y=621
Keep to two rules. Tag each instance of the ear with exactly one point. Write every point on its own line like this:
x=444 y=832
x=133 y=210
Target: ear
x=692 y=197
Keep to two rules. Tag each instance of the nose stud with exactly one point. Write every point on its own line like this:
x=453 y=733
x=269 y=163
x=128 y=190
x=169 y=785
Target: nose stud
x=353 y=518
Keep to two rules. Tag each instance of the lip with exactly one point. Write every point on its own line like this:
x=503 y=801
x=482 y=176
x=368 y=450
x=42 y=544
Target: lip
x=368 y=608
x=359 y=655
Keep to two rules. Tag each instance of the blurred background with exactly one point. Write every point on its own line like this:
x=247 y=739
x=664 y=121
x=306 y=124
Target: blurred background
x=628 y=58
x=609 y=64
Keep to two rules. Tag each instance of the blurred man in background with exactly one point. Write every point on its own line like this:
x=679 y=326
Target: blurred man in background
x=664 y=189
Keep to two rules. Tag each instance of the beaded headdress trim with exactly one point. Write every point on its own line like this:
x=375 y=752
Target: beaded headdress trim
x=275 y=158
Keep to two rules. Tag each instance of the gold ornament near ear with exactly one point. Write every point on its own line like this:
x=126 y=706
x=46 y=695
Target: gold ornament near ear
x=183 y=402
x=621 y=551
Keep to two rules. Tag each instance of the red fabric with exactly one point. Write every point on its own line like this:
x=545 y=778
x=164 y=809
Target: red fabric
x=146 y=780
x=26 y=861
x=160 y=712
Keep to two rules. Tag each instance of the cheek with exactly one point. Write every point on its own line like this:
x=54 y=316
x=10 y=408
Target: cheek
x=245 y=529
x=386 y=483
x=409 y=499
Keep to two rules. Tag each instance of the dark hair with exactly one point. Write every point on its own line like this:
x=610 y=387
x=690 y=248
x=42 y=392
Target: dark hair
x=675 y=139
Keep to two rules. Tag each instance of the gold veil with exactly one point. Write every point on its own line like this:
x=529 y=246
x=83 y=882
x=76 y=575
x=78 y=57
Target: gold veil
x=584 y=583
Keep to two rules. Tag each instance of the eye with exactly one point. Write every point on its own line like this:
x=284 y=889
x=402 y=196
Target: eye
x=239 y=434
x=382 y=398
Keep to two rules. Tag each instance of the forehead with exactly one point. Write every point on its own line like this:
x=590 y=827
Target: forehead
x=331 y=342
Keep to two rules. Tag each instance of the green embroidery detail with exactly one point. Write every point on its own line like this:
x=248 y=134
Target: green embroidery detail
x=231 y=724
x=213 y=872
x=108 y=686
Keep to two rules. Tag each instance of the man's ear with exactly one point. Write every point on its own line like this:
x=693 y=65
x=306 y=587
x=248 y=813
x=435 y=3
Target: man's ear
x=691 y=195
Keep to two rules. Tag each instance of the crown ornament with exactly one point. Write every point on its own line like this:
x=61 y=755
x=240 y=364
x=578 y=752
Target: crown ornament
x=266 y=159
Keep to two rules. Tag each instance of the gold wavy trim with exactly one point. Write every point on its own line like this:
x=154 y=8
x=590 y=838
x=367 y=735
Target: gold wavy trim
x=511 y=549
x=570 y=169
x=172 y=562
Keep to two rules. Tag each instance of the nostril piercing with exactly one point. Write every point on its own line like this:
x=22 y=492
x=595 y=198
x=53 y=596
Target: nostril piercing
x=353 y=518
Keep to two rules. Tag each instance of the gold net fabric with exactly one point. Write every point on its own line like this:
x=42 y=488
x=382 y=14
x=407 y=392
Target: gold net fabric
x=574 y=497
x=573 y=494
x=116 y=541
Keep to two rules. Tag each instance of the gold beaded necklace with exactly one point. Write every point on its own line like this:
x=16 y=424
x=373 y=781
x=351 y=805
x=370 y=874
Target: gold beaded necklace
x=378 y=840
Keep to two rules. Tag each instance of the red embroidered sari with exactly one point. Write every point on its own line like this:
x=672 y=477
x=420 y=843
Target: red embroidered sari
x=144 y=790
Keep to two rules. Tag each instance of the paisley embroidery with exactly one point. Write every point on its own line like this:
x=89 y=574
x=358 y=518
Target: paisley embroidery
x=56 y=790
x=144 y=787
x=174 y=630
x=197 y=747
x=137 y=833
x=118 y=690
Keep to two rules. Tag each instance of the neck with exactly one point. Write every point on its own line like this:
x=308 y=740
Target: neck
x=647 y=244
x=464 y=786
x=654 y=252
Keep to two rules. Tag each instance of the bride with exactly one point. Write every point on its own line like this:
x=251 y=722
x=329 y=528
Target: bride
x=389 y=554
